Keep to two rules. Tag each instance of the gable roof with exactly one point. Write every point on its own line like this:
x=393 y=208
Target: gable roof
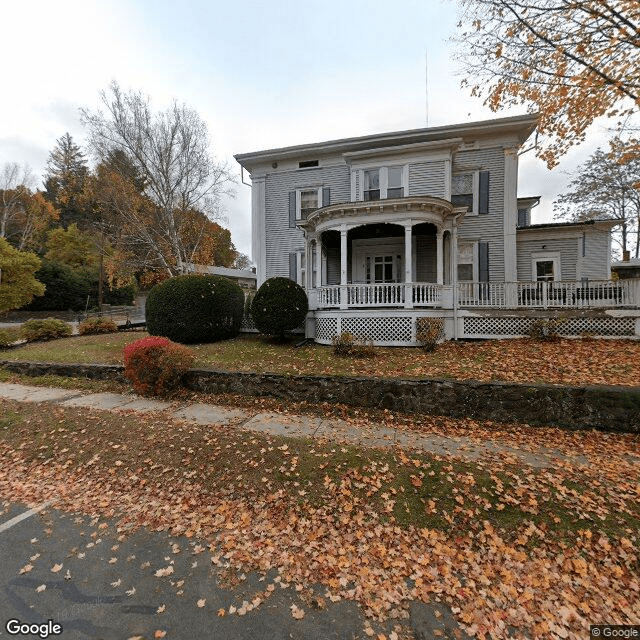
x=519 y=126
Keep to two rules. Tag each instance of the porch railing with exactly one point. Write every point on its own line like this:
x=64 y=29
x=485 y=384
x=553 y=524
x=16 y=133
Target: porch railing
x=552 y=294
x=503 y=295
x=375 y=295
x=328 y=297
x=426 y=294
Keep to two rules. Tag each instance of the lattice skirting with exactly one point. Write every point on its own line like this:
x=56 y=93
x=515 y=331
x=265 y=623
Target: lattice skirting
x=389 y=330
x=512 y=326
x=247 y=325
x=326 y=329
x=379 y=329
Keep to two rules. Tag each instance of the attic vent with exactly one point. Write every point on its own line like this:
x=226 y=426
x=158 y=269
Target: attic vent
x=307 y=163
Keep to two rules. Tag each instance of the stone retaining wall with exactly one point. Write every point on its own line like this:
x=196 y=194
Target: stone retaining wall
x=574 y=407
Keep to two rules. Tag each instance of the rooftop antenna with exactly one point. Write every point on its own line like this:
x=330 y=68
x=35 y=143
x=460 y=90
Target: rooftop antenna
x=426 y=83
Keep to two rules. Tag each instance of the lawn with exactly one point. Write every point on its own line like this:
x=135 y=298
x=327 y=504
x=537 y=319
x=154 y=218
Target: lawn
x=523 y=360
x=542 y=551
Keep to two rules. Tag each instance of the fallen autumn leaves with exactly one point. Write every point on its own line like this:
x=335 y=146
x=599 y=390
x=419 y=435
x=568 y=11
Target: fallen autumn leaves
x=546 y=551
x=562 y=362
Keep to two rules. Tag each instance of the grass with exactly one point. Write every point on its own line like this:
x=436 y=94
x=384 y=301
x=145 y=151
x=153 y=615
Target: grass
x=560 y=362
x=409 y=490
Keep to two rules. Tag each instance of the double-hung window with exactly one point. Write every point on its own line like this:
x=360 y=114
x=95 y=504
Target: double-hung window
x=471 y=189
x=383 y=183
x=303 y=202
x=463 y=191
x=467 y=258
x=371 y=186
x=395 y=188
x=308 y=202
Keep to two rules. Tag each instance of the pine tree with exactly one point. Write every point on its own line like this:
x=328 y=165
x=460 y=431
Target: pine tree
x=64 y=181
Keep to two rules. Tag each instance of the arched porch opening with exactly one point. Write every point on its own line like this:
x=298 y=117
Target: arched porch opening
x=376 y=254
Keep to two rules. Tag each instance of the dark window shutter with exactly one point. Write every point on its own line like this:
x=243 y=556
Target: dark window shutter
x=293 y=267
x=483 y=196
x=483 y=261
x=326 y=196
x=522 y=218
x=292 y=209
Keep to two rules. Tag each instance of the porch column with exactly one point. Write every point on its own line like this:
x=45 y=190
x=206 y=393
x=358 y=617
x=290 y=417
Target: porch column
x=439 y=258
x=343 y=267
x=408 y=264
x=308 y=283
x=318 y=263
x=308 y=276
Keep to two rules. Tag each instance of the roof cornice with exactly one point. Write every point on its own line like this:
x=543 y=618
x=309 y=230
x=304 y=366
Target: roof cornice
x=520 y=127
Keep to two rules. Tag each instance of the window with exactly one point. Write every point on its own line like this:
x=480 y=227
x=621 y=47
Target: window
x=308 y=202
x=462 y=190
x=381 y=183
x=298 y=267
x=545 y=267
x=465 y=273
x=306 y=164
x=466 y=262
x=471 y=190
x=382 y=268
x=303 y=202
x=544 y=270
x=371 y=188
x=395 y=188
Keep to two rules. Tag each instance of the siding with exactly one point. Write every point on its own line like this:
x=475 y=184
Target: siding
x=333 y=265
x=487 y=227
x=280 y=239
x=426 y=259
x=567 y=246
x=427 y=179
x=595 y=264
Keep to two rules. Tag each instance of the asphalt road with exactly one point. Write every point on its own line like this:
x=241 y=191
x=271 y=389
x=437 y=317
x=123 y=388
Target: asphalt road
x=108 y=588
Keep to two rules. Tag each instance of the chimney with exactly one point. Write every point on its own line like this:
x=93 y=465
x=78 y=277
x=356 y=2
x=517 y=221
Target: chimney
x=626 y=255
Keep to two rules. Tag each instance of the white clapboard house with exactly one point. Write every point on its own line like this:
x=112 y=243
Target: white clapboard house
x=383 y=229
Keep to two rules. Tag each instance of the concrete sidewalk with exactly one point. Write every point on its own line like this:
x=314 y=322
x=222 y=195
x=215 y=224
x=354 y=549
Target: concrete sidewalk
x=300 y=426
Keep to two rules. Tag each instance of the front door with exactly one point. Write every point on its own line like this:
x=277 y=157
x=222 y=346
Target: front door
x=381 y=268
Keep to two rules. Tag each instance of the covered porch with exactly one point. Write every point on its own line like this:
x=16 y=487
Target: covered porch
x=393 y=253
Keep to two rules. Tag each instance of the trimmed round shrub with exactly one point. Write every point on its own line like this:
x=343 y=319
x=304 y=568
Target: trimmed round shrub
x=155 y=365
x=279 y=306
x=45 y=329
x=93 y=326
x=9 y=336
x=195 y=308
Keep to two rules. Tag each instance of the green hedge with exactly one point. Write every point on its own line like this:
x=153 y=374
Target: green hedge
x=279 y=306
x=45 y=329
x=68 y=288
x=195 y=308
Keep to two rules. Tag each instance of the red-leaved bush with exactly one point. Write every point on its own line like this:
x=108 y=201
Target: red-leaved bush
x=155 y=365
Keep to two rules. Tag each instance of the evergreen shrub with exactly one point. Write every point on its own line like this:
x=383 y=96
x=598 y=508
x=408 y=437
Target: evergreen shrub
x=45 y=329
x=66 y=288
x=195 y=308
x=93 y=326
x=279 y=306
x=9 y=336
x=155 y=365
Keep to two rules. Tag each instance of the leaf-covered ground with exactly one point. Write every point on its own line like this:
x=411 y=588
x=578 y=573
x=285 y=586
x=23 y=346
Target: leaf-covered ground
x=515 y=551
x=561 y=362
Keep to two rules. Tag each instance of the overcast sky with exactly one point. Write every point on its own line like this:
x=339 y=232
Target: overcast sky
x=261 y=75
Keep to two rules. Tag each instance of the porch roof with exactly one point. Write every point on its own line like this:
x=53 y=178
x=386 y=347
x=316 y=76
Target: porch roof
x=392 y=211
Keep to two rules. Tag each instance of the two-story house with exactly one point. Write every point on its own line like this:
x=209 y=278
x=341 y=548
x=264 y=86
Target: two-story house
x=383 y=229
